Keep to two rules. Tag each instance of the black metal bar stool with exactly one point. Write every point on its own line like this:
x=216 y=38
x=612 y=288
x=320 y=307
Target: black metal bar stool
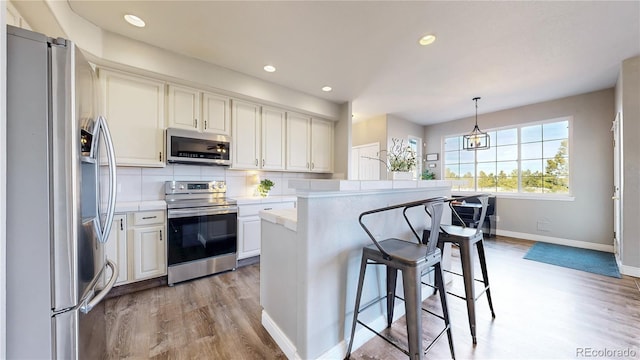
x=413 y=259
x=465 y=238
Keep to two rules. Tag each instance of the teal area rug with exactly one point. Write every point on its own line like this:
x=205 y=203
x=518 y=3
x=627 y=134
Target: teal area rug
x=593 y=261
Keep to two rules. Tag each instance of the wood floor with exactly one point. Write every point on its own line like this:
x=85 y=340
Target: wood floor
x=542 y=312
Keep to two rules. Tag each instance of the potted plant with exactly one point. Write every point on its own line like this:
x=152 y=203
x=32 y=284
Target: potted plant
x=402 y=160
x=428 y=175
x=264 y=187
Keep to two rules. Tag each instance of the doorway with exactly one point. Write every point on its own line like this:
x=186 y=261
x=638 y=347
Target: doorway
x=365 y=162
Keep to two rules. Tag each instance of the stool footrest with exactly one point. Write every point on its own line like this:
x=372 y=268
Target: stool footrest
x=384 y=338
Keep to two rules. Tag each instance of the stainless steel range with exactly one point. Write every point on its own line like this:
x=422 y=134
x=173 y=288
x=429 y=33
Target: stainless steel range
x=202 y=229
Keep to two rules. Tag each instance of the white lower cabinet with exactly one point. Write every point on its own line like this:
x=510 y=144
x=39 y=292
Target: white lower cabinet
x=116 y=248
x=148 y=244
x=249 y=225
x=137 y=245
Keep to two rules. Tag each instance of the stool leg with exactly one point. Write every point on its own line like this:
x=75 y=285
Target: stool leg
x=485 y=275
x=392 y=275
x=445 y=311
x=363 y=269
x=412 y=284
x=467 y=276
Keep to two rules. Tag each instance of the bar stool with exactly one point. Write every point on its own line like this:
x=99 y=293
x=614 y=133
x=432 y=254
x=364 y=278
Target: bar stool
x=464 y=238
x=413 y=259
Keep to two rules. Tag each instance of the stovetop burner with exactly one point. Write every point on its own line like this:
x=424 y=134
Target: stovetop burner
x=189 y=194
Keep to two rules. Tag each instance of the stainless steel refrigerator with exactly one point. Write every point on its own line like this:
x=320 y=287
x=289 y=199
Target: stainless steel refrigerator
x=60 y=202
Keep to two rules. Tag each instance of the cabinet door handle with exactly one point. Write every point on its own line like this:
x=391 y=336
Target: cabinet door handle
x=195 y=123
x=268 y=208
x=148 y=217
x=205 y=124
x=262 y=162
x=307 y=165
x=256 y=162
x=121 y=227
x=160 y=156
x=312 y=166
x=160 y=235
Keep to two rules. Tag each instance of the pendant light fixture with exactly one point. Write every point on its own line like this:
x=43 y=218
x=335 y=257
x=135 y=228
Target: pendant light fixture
x=477 y=139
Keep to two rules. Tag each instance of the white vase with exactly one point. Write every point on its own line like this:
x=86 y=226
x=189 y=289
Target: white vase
x=401 y=175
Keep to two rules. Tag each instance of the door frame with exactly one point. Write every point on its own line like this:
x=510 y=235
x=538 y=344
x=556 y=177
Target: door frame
x=618 y=187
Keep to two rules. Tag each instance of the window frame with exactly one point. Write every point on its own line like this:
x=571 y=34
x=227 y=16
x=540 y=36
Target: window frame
x=520 y=194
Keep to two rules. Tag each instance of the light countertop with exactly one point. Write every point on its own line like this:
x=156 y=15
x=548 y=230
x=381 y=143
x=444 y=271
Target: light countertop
x=246 y=200
x=130 y=206
x=285 y=217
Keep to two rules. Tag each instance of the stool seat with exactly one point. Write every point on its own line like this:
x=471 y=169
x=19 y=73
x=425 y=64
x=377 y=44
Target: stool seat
x=402 y=251
x=454 y=231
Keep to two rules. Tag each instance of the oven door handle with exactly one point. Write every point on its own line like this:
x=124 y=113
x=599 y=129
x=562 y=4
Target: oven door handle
x=201 y=211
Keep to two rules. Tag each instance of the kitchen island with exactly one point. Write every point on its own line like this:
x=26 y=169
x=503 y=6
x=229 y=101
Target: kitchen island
x=311 y=255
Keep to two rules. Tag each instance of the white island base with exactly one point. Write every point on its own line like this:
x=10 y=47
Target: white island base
x=310 y=261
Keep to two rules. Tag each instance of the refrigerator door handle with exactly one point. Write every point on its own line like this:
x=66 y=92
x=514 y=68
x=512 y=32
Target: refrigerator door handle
x=88 y=305
x=111 y=157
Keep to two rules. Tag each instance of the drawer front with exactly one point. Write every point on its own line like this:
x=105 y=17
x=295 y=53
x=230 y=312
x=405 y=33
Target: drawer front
x=253 y=210
x=148 y=218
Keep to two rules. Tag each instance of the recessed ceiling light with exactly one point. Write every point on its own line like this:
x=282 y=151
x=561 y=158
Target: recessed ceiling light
x=427 y=40
x=269 y=68
x=326 y=88
x=134 y=20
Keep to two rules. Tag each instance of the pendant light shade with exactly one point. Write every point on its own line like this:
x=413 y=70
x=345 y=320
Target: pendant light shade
x=477 y=139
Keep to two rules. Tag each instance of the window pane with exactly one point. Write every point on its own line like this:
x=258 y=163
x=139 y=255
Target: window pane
x=452 y=143
x=469 y=183
x=487 y=168
x=507 y=184
x=556 y=166
x=557 y=130
x=531 y=167
x=553 y=148
x=467 y=170
x=506 y=137
x=451 y=171
x=556 y=185
x=531 y=133
x=532 y=184
x=487 y=183
x=451 y=157
x=467 y=156
x=507 y=168
x=487 y=155
x=531 y=150
x=507 y=152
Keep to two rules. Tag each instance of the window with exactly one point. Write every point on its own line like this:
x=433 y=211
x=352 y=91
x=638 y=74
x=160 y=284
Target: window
x=530 y=158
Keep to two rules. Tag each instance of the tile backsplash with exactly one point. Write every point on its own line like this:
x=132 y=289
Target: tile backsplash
x=145 y=184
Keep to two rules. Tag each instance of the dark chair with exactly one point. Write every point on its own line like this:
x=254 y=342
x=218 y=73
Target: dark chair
x=465 y=238
x=413 y=259
x=469 y=216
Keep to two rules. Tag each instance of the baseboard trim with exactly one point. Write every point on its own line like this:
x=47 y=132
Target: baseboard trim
x=287 y=347
x=554 y=240
x=629 y=270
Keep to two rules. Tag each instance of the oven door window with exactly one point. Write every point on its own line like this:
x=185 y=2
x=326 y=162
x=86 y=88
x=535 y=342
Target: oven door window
x=199 y=237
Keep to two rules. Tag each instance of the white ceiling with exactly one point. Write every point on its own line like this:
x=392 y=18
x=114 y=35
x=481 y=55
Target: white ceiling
x=509 y=53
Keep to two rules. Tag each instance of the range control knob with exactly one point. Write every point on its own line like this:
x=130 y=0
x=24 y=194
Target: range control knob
x=181 y=187
x=220 y=185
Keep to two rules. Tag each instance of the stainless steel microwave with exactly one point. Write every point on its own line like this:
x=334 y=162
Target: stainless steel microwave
x=192 y=147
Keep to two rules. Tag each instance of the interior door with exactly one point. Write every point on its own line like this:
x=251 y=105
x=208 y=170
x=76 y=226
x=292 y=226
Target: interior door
x=365 y=163
x=617 y=187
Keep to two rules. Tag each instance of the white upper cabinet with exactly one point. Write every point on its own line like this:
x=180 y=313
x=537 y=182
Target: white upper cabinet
x=309 y=144
x=258 y=136
x=321 y=145
x=134 y=108
x=184 y=107
x=273 y=138
x=298 y=136
x=246 y=135
x=216 y=114
x=193 y=109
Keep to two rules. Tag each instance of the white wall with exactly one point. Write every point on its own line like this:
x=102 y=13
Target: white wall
x=342 y=143
x=372 y=130
x=586 y=221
